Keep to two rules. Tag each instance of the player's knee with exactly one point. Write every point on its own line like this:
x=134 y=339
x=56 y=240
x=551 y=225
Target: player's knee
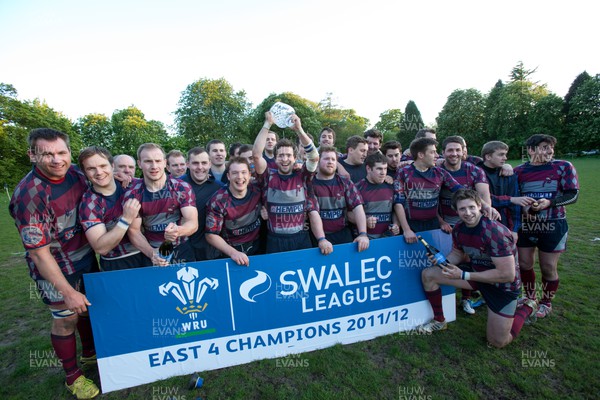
x=499 y=342
x=65 y=325
x=427 y=275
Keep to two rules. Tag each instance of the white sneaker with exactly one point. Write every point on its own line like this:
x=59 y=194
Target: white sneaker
x=467 y=307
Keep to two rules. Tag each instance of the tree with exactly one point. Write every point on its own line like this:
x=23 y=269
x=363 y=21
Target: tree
x=546 y=116
x=96 y=130
x=463 y=114
x=17 y=118
x=580 y=80
x=508 y=117
x=410 y=125
x=584 y=116
x=131 y=129
x=345 y=122
x=210 y=109
x=389 y=124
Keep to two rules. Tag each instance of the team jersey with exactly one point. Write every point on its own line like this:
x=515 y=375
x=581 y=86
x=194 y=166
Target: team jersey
x=482 y=242
x=271 y=164
x=379 y=200
x=502 y=188
x=547 y=181
x=335 y=197
x=96 y=209
x=203 y=192
x=287 y=200
x=45 y=213
x=357 y=172
x=236 y=220
x=468 y=175
x=160 y=208
x=420 y=191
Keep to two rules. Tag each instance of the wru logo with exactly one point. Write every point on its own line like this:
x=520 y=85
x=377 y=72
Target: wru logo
x=189 y=291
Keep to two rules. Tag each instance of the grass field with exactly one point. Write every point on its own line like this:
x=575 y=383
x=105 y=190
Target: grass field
x=555 y=358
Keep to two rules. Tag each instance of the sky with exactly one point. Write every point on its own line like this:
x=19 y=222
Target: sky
x=84 y=57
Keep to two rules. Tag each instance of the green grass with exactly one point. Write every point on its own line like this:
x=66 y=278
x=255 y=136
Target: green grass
x=452 y=364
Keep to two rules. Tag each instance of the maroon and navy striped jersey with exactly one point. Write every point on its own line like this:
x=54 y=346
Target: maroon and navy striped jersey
x=159 y=209
x=335 y=197
x=482 y=242
x=96 y=208
x=420 y=191
x=287 y=199
x=237 y=221
x=468 y=175
x=547 y=181
x=45 y=213
x=379 y=200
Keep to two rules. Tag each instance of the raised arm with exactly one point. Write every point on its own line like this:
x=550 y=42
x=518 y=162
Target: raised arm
x=260 y=164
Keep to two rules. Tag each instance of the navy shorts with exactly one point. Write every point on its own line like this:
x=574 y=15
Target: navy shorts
x=136 y=260
x=339 y=237
x=277 y=243
x=53 y=297
x=498 y=300
x=423 y=225
x=550 y=236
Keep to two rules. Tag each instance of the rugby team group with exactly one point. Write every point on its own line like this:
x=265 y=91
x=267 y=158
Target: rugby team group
x=281 y=195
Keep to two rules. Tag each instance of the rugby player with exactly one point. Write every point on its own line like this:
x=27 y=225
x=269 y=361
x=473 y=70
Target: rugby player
x=168 y=209
x=233 y=214
x=105 y=215
x=489 y=248
x=553 y=184
x=337 y=196
x=286 y=192
x=379 y=198
x=44 y=206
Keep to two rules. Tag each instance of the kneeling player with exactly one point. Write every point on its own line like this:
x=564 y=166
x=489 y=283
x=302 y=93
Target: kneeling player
x=491 y=249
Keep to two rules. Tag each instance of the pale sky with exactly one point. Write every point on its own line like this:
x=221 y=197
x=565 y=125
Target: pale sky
x=85 y=57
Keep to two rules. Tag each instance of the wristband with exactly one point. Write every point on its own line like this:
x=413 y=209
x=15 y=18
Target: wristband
x=362 y=233
x=266 y=127
x=123 y=221
x=122 y=224
x=465 y=276
x=321 y=239
x=309 y=147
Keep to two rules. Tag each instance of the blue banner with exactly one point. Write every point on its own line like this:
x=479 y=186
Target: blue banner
x=154 y=323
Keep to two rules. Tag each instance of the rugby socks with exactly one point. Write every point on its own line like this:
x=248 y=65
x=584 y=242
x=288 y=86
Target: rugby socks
x=84 y=327
x=65 y=348
x=435 y=299
x=528 y=279
x=550 y=288
x=520 y=316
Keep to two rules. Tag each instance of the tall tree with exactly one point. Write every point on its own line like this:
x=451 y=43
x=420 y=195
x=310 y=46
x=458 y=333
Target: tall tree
x=96 y=130
x=411 y=123
x=546 y=116
x=389 y=123
x=131 y=129
x=210 y=109
x=463 y=114
x=17 y=118
x=509 y=117
x=580 y=80
x=584 y=116
x=345 y=122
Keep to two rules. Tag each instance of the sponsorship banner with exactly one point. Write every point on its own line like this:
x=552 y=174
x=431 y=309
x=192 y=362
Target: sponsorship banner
x=157 y=322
